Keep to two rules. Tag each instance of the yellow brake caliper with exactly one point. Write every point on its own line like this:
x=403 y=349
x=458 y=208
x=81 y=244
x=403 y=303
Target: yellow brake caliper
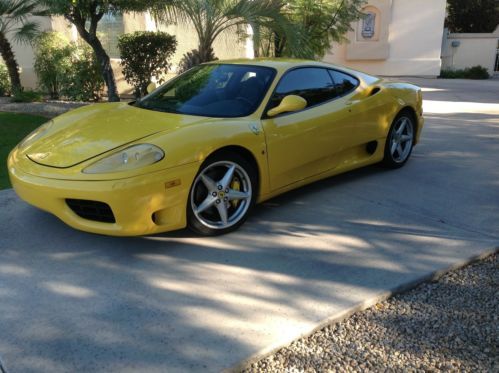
x=235 y=185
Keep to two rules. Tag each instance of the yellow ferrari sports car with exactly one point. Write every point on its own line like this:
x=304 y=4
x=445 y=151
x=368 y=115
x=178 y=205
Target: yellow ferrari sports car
x=203 y=148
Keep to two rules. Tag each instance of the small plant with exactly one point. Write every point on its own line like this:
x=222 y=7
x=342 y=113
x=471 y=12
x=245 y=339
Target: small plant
x=4 y=80
x=145 y=55
x=26 y=96
x=475 y=72
x=52 y=61
x=194 y=58
x=83 y=80
x=67 y=69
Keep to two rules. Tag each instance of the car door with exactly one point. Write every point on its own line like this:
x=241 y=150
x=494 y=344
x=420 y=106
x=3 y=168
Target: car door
x=303 y=144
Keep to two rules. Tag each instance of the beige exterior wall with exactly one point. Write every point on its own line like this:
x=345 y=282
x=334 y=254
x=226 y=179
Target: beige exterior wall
x=24 y=52
x=227 y=45
x=411 y=45
x=407 y=41
x=470 y=50
x=25 y=56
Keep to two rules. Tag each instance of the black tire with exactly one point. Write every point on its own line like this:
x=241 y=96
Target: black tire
x=198 y=223
x=394 y=160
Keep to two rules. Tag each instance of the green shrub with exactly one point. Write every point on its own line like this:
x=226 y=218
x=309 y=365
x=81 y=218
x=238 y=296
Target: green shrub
x=52 y=61
x=4 y=80
x=27 y=96
x=450 y=74
x=193 y=58
x=83 y=80
x=475 y=72
x=67 y=69
x=145 y=55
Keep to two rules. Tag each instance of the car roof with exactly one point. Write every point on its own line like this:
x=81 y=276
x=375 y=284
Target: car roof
x=277 y=63
x=283 y=64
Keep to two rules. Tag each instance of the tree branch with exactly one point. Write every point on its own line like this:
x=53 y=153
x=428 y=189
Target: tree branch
x=335 y=17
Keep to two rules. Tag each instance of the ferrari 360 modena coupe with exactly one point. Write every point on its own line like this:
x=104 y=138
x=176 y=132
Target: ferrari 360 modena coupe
x=203 y=148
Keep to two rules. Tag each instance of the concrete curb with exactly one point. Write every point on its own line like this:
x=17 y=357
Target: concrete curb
x=433 y=276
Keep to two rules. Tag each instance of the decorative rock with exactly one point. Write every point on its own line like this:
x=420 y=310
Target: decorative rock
x=449 y=325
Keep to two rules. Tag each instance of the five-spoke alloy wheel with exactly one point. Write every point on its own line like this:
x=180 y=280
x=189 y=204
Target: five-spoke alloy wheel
x=400 y=141
x=221 y=195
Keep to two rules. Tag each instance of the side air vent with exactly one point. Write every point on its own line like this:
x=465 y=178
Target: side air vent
x=374 y=91
x=371 y=147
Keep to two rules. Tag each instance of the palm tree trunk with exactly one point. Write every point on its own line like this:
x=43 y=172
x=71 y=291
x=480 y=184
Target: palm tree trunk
x=10 y=60
x=256 y=39
x=205 y=48
x=279 y=43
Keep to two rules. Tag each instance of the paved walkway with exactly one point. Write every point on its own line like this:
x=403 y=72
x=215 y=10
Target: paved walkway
x=71 y=301
x=47 y=109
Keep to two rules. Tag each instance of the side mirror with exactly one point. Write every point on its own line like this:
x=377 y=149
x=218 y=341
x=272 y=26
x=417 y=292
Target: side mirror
x=151 y=87
x=288 y=104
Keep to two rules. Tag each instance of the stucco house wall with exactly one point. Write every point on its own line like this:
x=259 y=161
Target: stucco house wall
x=407 y=40
x=460 y=51
x=227 y=45
x=25 y=56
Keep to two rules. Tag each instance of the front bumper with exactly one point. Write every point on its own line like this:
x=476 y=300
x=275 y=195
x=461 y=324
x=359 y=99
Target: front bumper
x=141 y=205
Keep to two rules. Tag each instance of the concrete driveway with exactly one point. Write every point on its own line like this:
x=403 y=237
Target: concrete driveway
x=71 y=301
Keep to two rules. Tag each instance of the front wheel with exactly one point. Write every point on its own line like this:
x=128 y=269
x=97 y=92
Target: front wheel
x=400 y=141
x=221 y=195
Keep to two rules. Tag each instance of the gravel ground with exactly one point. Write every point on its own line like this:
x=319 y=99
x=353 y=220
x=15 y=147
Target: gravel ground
x=47 y=109
x=450 y=324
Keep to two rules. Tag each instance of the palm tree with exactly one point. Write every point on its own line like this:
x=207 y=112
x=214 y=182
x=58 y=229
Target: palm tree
x=212 y=17
x=15 y=20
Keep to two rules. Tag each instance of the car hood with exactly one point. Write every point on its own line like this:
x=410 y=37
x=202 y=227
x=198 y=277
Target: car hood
x=92 y=130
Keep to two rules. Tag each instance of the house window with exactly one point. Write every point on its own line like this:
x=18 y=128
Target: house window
x=109 y=28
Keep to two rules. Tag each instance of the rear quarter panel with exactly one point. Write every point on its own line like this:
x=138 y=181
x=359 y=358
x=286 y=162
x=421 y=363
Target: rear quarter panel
x=407 y=95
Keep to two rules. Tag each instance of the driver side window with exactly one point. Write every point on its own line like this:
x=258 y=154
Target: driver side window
x=313 y=84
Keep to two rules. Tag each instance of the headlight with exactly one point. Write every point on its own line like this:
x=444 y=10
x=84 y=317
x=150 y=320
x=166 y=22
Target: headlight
x=35 y=135
x=135 y=156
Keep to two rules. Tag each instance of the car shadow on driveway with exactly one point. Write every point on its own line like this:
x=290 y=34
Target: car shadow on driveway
x=76 y=301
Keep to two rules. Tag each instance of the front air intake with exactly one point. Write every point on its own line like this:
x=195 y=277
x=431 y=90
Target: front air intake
x=91 y=210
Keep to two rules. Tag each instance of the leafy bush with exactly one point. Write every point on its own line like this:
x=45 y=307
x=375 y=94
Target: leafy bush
x=194 y=58
x=475 y=72
x=144 y=55
x=52 y=61
x=66 y=69
x=83 y=81
x=4 y=80
x=26 y=96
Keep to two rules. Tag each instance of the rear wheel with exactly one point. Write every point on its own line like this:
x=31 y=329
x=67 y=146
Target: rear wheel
x=221 y=195
x=400 y=141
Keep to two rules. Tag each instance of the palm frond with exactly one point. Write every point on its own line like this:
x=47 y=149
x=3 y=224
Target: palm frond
x=15 y=18
x=27 y=32
x=212 y=17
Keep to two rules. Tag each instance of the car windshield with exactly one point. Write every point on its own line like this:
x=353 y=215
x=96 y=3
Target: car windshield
x=214 y=90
